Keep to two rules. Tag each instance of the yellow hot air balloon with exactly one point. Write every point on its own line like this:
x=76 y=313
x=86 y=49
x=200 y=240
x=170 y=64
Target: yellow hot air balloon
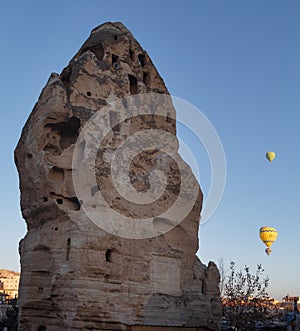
x=270 y=156
x=268 y=236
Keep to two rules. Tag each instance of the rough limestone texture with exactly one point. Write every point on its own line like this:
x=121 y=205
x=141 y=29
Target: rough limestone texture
x=74 y=275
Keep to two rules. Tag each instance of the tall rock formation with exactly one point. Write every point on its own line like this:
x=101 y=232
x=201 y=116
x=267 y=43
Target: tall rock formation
x=94 y=257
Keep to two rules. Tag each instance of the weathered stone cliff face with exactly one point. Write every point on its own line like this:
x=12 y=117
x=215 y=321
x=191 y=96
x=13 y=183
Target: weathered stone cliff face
x=76 y=274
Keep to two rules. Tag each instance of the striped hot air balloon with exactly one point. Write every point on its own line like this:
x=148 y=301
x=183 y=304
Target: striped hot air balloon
x=268 y=236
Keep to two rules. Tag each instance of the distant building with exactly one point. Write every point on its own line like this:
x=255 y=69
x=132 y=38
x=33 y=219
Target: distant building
x=3 y=298
x=288 y=303
x=9 y=283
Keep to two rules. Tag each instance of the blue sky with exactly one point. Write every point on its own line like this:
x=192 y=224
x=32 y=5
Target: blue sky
x=235 y=60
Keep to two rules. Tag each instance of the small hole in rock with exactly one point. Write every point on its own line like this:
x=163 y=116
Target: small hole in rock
x=116 y=66
x=115 y=37
x=73 y=203
x=59 y=201
x=56 y=228
x=68 y=249
x=142 y=59
x=131 y=54
x=114 y=58
x=29 y=156
x=88 y=94
x=133 y=88
x=146 y=78
x=45 y=199
x=108 y=254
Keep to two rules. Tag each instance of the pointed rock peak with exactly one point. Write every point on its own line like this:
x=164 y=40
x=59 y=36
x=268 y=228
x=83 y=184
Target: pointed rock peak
x=99 y=166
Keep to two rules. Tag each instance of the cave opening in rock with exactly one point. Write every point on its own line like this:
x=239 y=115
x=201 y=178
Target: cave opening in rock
x=133 y=88
x=114 y=58
x=131 y=54
x=98 y=50
x=108 y=255
x=69 y=132
x=142 y=59
x=68 y=249
x=66 y=132
x=146 y=78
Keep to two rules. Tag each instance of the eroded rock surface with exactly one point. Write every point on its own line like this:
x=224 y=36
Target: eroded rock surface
x=75 y=275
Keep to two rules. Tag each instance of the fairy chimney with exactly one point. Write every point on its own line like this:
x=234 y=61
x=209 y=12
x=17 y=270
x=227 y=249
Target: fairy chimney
x=111 y=235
